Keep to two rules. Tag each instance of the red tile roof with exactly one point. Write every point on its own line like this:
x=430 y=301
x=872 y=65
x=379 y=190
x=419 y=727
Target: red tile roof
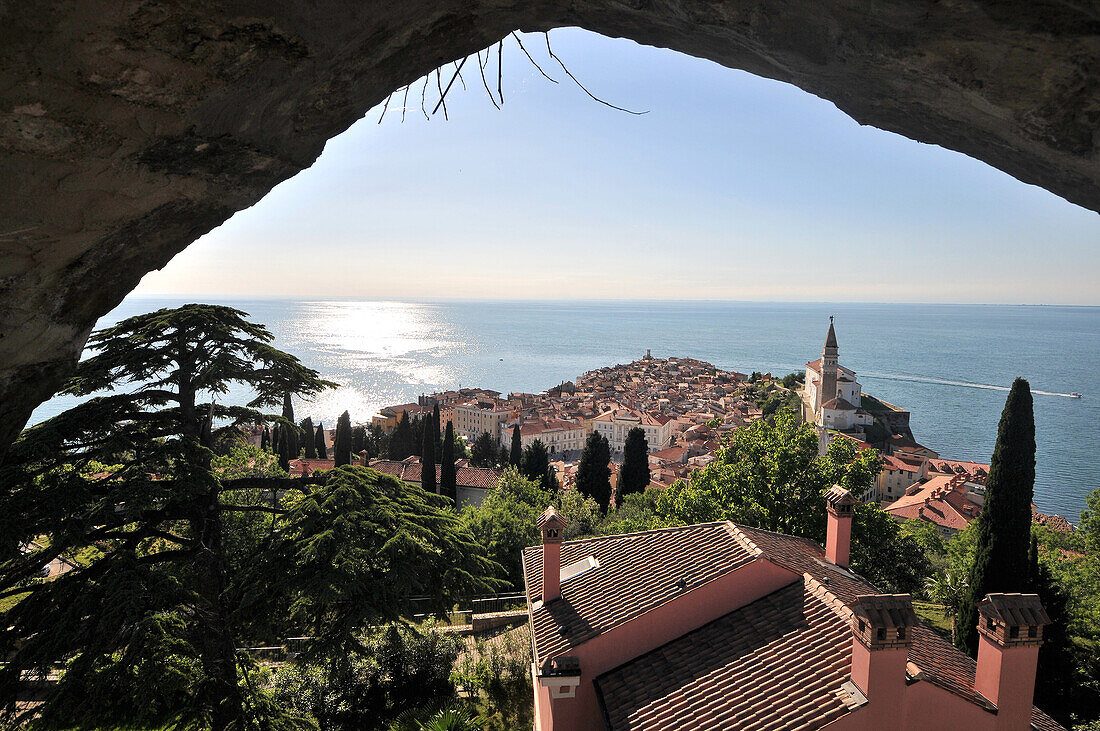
x=638 y=572
x=942 y=500
x=777 y=663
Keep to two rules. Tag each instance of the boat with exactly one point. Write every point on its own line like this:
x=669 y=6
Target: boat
x=1075 y=395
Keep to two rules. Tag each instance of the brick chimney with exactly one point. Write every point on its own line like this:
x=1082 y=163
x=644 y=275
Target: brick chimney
x=551 y=524
x=1010 y=630
x=839 y=504
x=882 y=631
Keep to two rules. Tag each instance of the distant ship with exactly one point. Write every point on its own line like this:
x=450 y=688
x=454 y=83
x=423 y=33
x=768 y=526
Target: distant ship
x=1075 y=395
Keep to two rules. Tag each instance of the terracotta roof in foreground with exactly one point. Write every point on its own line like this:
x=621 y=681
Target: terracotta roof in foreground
x=637 y=573
x=776 y=663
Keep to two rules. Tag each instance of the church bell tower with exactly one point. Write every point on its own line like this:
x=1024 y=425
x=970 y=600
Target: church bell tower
x=827 y=392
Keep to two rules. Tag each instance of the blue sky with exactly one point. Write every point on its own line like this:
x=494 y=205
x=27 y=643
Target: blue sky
x=730 y=187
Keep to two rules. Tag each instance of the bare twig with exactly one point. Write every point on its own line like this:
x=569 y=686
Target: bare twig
x=458 y=71
x=500 y=73
x=384 y=108
x=423 y=92
x=405 y=103
x=578 y=83
x=439 y=85
x=533 y=62
x=443 y=92
x=483 y=81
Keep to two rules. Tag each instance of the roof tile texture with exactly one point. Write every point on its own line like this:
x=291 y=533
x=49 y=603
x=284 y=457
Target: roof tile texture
x=777 y=663
x=638 y=572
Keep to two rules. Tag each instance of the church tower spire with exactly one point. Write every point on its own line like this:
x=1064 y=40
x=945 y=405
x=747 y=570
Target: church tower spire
x=829 y=367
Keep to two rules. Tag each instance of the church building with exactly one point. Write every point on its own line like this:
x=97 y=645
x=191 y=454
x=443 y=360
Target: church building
x=831 y=397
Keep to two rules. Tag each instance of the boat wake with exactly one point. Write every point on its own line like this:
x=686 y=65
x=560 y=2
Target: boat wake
x=962 y=384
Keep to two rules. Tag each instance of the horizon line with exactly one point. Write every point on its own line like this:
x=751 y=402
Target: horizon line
x=573 y=300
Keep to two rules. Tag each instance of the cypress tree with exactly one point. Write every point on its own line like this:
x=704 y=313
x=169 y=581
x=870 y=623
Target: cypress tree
x=358 y=439
x=309 y=438
x=275 y=439
x=515 y=454
x=484 y=451
x=288 y=408
x=536 y=465
x=265 y=440
x=341 y=443
x=401 y=441
x=319 y=442
x=293 y=443
x=427 y=459
x=284 y=450
x=1004 y=526
x=634 y=475
x=593 y=471
x=436 y=424
x=448 y=479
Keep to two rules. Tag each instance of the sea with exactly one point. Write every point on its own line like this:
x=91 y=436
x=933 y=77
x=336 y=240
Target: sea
x=949 y=365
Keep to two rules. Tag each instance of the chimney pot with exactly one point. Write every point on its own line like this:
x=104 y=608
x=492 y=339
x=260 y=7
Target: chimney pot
x=1010 y=631
x=552 y=525
x=882 y=631
x=840 y=506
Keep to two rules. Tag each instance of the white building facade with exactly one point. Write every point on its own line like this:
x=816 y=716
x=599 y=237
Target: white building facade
x=615 y=425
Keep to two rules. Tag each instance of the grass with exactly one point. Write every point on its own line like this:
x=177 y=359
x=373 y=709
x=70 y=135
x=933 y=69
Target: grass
x=10 y=601
x=935 y=616
x=870 y=403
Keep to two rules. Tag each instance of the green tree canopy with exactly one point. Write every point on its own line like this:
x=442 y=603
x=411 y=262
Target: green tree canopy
x=427 y=458
x=536 y=465
x=515 y=454
x=402 y=440
x=319 y=442
x=594 y=471
x=1004 y=525
x=341 y=442
x=448 y=476
x=505 y=522
x=634 y=475
x=183 y=558
x=309 y=438
x=770 y=476
x=484 y=451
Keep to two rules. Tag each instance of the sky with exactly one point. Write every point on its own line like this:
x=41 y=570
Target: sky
x=729 y=187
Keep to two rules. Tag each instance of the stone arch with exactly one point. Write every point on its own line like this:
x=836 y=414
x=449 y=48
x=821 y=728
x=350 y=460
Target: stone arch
x=129 y=129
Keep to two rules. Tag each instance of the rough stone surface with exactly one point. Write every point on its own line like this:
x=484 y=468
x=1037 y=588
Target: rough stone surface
x=129 y=128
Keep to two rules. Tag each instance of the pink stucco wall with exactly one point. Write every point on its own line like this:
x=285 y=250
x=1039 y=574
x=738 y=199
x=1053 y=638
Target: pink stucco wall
x=1006 y=676
x=927 y=707
x=649 y=631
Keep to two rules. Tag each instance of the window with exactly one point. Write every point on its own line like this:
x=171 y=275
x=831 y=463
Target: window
x=901 y=633
x=881 y=634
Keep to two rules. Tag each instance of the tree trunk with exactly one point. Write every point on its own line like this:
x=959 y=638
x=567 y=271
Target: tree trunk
x=215 y=641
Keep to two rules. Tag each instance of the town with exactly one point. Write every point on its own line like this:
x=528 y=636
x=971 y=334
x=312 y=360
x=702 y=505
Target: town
x=687 y=409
